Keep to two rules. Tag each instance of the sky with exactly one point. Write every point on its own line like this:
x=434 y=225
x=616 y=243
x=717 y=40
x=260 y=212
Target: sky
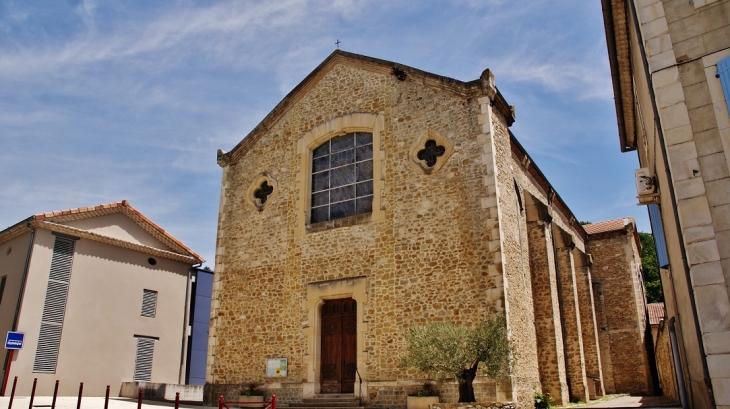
x=102 y=101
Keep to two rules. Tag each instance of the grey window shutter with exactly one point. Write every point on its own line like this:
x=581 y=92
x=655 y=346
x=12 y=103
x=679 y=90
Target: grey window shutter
x=54 y=306
x=2 y=287
x=149 y=303
x=143 y=361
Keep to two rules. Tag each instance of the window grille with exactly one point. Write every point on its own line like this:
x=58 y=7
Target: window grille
x=149 y=303
x=143 y=359
x=54 y=306
x=342 y=177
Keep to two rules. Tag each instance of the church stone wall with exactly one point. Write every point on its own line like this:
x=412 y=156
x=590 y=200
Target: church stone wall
x=615 y=270
x=429 y=258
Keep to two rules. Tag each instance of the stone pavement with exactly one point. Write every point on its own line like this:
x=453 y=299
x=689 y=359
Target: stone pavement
x=69 y=402
x=632 y=402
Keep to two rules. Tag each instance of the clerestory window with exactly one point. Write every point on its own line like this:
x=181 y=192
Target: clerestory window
x=342 y=177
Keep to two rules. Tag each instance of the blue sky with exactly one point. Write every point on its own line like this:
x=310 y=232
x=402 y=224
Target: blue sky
x=102 y=101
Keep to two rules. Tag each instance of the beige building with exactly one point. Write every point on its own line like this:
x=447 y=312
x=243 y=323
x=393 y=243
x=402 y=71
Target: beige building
x=101 y=294
x=376 y=197
x=669 y=62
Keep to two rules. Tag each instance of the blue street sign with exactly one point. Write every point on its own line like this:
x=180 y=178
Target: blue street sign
x=14 y=340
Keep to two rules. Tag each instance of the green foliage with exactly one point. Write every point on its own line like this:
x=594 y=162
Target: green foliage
x=584 y=223
x=650 y=269
x=543 y=400
x=445 y=350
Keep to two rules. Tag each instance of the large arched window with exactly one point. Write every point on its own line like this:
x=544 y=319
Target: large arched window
x=342 y=177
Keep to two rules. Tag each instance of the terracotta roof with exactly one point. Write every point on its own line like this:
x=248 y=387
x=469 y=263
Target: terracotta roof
x=656 y=313
x=608 y=225
x=78 y=213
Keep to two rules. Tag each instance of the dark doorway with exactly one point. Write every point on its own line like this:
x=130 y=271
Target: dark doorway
x=339 y=343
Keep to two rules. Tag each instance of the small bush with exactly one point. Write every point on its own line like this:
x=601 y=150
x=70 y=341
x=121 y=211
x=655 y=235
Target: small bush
x=543 y=400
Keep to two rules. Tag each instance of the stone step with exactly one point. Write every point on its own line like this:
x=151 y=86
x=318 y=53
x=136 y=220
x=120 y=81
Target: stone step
x=329 y=401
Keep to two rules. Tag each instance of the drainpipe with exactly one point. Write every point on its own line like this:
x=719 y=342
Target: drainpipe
x=186 y=317
x=26 y=267
x=677 y=363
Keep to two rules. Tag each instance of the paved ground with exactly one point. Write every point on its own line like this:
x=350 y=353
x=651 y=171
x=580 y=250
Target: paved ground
x=632 y=402
x=69 y=402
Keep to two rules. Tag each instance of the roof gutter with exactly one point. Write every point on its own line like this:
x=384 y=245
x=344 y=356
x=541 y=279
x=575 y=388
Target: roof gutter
x=610 y=28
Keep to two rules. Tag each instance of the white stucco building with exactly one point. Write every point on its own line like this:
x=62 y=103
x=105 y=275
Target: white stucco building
x=103 y=296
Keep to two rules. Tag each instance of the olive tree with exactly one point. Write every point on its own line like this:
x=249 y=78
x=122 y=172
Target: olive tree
x=445 y=350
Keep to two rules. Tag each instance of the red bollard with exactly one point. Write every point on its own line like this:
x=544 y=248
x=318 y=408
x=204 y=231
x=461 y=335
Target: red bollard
x=177 y=400
x=106 y=399
x=139 y=399
x=81 y=391
x=220 y=401
x=32 y=393
x=273 y=401
x=55 y=393
x=12 y=394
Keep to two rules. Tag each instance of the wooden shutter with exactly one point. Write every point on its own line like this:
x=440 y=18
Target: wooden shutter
x=143 y=361
x=149 y=303
x=54 y=306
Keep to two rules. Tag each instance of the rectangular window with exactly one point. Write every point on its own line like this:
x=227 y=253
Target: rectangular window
x=657 y=229
x=2 y=287
x=54 y=306
x=149 y=303
x=143 y=360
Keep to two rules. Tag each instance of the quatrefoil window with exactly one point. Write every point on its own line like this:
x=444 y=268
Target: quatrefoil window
x=431 y=152
x=261 y=191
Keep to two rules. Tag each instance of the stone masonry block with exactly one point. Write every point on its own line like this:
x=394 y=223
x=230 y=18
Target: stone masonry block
x=682 y=152
x=665 y=77
x=721 y=391
x=662 y=60
x=651 y=12
x=714 y=167
x=694 y=212
x=706 y=274
x=698 y=233
x=721 y=217
x=686 y=169
x=723 y=243
x=703 y=252
x=674 y=116
x=717 y=342
x=655 y=28
x=678 y=135
x=689 y=188
x=719 y=365
x=718 y=192
x=713 y=307
x=670 y=95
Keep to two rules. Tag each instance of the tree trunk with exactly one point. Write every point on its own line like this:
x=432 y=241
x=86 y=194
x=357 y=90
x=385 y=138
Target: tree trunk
x=466 y=387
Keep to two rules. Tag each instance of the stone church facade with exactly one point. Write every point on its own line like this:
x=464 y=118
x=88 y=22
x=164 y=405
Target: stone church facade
x=376 y=197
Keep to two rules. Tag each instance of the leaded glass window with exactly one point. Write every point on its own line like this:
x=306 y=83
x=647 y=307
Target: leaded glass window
x=342 y=177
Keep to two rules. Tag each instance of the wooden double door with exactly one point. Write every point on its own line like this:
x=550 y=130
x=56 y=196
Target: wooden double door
x=339 y=346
